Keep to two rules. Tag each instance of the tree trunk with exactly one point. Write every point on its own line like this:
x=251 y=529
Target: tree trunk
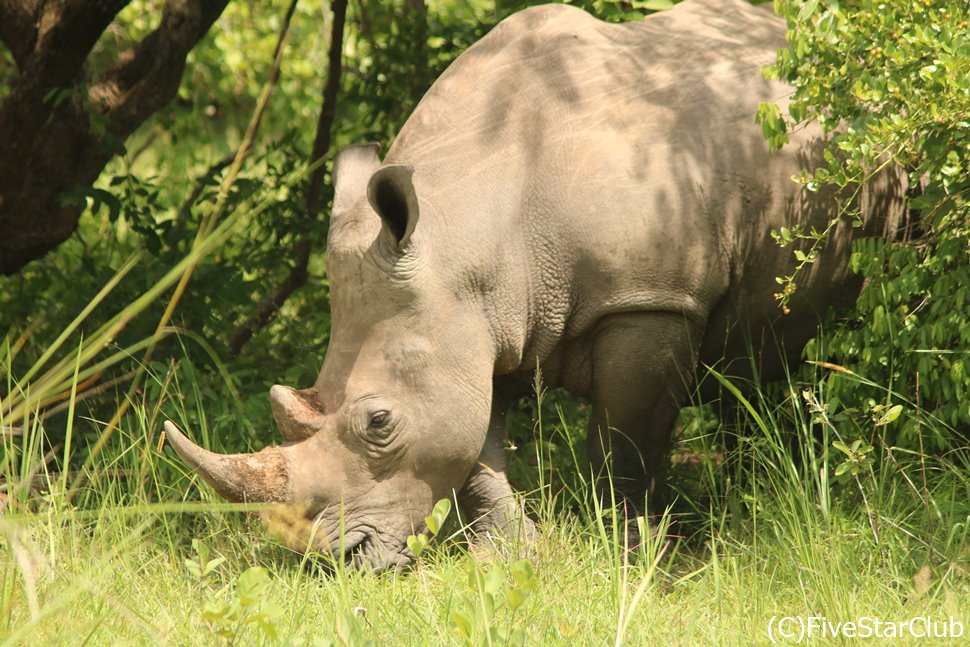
x=58 y=128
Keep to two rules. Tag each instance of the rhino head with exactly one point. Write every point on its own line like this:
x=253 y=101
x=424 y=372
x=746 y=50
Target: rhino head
x=399 y=413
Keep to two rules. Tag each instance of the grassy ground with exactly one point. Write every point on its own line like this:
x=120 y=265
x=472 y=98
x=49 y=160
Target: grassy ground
x=144 y=555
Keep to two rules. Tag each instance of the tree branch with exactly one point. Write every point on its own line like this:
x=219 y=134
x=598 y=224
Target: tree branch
x=49 y=123
x=45 y=128
x=302 y=246
x=148 y=74
x=200 y=184
x=18 y=28
x=328 y=112
x=65 y=33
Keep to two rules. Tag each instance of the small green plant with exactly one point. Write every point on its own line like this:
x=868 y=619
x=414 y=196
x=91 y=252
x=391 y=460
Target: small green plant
x=200 y=566
x=490 y=594
x=857 y=457
x=417 y=543
x=249 y=606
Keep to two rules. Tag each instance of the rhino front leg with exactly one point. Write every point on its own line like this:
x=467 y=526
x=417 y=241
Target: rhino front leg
x=642 y=368
x=492 y=508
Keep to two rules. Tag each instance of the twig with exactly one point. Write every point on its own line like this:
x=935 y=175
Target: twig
x=899 y=468
x=870 y=513
x=922 y=461
x=88 y=394
x=200 y=184
x=302 y=247
x=145 y=144
x=42 y=481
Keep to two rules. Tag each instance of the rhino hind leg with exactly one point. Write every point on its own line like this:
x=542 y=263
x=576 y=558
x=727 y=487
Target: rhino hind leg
x=493 y=510
x=642 y=369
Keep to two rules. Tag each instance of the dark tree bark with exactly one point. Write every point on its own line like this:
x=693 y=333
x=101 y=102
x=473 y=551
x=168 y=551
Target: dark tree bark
x=58 y=128
x=297 y=275
x=417 y=15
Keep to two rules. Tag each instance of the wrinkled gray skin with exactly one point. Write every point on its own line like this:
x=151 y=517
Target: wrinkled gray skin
x=592 y=198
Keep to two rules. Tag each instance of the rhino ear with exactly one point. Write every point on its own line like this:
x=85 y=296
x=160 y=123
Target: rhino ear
x=352 y=168
x=391 y=194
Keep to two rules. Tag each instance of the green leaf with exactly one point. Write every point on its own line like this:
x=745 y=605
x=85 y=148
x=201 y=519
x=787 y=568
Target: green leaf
x=515 y=597
x=772 y=124
x=436 y=519
x=493 y=580
x=215 y=612
x=212 y=565
x=201 y=549
x=250 y=586
x=462 y=621
x=523 y=574
x=890 y=415
x=654 y=5
x=807 y=10
x=486 y=603
x=192 y=566
x=417 y=543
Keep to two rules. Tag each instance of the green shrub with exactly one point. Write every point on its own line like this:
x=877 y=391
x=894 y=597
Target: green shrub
x=890 y=84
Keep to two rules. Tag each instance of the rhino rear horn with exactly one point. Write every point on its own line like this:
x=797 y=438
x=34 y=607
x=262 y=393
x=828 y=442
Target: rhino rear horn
x=260 y=477
x=295 y=416
x=352 y=169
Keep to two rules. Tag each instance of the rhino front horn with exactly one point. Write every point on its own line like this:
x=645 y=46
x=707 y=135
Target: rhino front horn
x=260 y=477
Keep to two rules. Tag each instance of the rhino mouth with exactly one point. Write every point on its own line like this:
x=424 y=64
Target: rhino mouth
x=362 y=550
x=354 y=551
x=335 y=541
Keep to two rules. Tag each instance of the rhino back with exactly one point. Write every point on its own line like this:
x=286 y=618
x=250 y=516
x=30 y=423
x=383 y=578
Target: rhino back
x=579 y=169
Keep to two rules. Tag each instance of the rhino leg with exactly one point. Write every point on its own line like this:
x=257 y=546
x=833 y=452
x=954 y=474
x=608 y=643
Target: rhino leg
x=642 y=368
x=492 y=507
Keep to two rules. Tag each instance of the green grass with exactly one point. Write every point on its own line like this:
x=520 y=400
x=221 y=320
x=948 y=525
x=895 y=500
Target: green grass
x=144 y=554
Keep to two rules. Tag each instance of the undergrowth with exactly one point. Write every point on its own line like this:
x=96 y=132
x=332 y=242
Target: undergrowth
x=797 y=519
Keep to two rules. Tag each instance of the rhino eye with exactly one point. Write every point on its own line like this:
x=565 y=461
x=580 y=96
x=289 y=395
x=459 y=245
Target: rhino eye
x=379 y=419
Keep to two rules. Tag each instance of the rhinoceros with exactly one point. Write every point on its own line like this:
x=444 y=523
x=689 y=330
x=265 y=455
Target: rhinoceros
x=591 y=199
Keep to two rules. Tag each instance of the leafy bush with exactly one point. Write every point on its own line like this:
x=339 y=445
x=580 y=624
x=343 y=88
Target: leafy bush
x=890 y=83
